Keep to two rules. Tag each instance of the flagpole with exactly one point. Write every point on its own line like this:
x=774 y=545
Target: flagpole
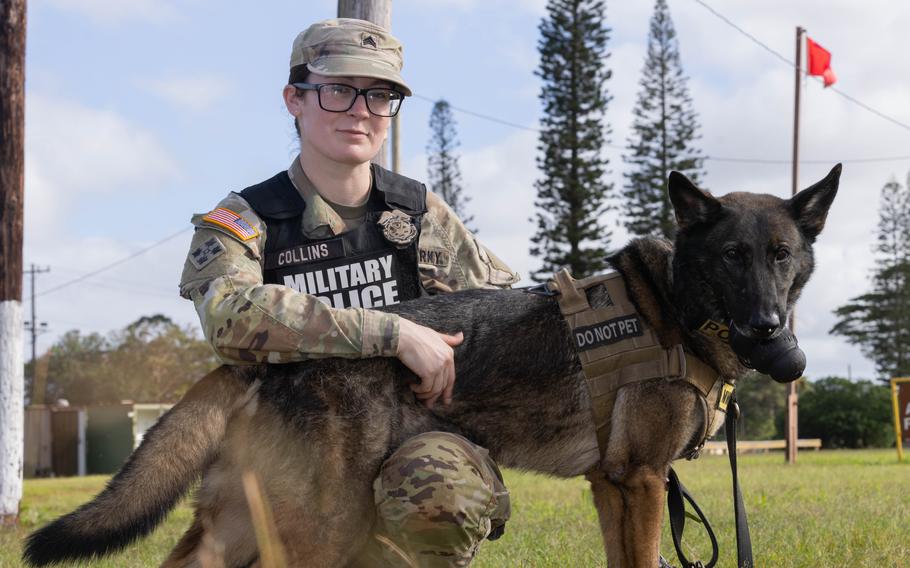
x=792 y=395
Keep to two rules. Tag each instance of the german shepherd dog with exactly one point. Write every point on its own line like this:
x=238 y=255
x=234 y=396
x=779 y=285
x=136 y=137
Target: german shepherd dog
x=315 y=433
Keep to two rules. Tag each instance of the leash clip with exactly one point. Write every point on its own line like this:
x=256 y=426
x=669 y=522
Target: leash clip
x=696 y=452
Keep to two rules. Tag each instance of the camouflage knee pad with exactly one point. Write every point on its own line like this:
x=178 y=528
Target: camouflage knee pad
x=437 y=497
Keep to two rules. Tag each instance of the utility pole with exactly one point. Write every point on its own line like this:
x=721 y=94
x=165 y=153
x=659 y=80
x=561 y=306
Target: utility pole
x=379 y=12
x=33 y=326
x=792 y=394
x=12 y=181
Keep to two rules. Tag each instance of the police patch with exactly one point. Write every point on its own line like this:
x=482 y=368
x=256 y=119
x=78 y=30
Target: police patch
x=436 y=257
x=206 y=253
x=397 y=228
x=607 y=332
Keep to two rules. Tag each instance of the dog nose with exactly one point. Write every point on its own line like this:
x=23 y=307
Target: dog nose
x=764 y=326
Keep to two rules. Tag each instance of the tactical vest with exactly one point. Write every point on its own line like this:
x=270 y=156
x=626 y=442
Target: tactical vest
x=370 y=266
x=616 y=347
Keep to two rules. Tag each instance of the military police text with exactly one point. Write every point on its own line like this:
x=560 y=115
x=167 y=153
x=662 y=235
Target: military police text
x=361 y=284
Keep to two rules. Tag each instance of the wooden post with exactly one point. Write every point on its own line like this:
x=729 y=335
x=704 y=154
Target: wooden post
x=12 y=171
x=792 y=395
x=378 y=12
x=901 y=412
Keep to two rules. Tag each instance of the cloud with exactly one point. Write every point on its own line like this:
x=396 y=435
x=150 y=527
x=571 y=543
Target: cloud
x=110 y=12
x=72 y=151
x=499 y=179
x=532 y=6
x=82 y=149
x=196 y=92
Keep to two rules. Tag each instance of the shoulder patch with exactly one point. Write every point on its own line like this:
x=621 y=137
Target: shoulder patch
x=206 y=253
x=233 y=222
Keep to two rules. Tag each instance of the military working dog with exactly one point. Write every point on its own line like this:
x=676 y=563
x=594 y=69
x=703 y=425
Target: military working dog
x=315 y=433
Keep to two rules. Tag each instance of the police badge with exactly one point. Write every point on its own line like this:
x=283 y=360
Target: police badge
x=397 y=228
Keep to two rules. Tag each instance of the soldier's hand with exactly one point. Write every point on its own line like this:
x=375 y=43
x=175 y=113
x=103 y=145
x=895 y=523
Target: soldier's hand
x=430 y=356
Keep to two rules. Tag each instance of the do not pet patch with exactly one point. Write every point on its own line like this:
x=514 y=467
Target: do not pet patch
x=607 y=332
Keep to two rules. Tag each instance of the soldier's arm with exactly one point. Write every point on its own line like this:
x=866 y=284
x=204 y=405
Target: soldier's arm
x=247 y=321
x=450 y=256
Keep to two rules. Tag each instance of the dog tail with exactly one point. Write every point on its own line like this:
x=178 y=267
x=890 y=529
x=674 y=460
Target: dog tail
x=173 y=454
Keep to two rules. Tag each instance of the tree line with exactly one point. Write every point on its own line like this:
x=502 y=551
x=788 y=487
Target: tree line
x=150 y=360
x=843 y=413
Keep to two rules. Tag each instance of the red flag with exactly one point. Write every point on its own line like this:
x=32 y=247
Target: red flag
x=820 y=62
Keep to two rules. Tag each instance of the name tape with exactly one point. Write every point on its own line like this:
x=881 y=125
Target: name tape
x=304 y=254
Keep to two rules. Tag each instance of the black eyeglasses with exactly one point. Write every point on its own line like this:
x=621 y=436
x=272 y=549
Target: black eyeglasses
x=338 y=97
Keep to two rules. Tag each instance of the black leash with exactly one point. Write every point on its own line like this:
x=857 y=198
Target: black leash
x=677 y=508
x=676 y=493
x=743 y=540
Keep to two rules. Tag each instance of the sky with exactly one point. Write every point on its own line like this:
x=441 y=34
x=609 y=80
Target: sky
x=141 y=113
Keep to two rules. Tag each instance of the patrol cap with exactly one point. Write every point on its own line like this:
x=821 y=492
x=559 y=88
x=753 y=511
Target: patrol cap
x=346 y=47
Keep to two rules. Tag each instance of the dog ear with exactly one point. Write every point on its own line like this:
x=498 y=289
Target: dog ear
x=810 y=206
x=692 y=205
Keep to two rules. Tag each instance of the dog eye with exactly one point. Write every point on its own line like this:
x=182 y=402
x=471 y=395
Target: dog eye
x=731 y=254
x=783 y=255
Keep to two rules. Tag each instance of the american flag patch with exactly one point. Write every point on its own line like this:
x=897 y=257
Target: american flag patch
x=232 y=222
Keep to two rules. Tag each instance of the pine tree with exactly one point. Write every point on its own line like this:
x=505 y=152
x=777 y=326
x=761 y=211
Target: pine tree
x=879 y=321
x=443 y=172
x=572 y=195
x=663 y=133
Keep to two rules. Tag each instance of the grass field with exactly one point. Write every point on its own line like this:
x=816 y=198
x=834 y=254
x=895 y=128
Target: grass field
x=832 y=509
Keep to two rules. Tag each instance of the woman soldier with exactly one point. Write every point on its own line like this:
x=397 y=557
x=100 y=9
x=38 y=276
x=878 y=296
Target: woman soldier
x=289 y=269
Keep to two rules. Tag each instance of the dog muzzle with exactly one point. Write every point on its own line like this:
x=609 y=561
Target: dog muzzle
x=779 y=357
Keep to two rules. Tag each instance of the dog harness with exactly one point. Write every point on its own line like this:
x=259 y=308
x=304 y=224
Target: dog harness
x=617 y=347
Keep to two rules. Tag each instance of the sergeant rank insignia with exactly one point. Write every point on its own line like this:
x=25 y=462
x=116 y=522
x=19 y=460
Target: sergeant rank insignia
x=206 y=253
x=236 y=224
x=397 y=228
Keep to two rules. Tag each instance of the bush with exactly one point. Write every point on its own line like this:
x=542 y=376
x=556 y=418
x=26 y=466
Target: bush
x=846 y=414
x=762 y=403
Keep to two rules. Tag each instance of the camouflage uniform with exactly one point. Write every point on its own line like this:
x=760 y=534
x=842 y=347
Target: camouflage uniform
x=247 y=321
x=437 y=498
x=439 y=495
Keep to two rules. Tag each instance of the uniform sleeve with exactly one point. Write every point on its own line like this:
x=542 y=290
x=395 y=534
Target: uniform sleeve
x=248 y=322
x=450 y=256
